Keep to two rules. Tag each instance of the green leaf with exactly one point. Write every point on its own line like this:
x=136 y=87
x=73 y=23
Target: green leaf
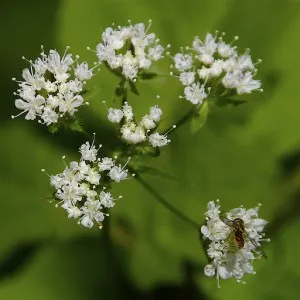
x=147 y=75
x=91 y=93
x=148 y=150
x=53 y=128
x=119 y=91
x=133 y=88
x=75 y=125
x=229 y=101
x=199 y=118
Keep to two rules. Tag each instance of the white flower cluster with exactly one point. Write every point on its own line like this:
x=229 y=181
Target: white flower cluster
x=135 y=133
x=129 y=49
x=80 y=189
x=52 y=87
x=234 y=241
x=213 y=63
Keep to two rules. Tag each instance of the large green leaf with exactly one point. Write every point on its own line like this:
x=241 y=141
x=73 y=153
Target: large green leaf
x=234 y=157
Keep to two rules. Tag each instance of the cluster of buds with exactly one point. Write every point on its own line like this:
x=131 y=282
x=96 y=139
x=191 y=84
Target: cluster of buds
x=129 y=49
x=234 y=241
x=52 y=87
x=214 y=67
x=135 y=133
x=82 y=188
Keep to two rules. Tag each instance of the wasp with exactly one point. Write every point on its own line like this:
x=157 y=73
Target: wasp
x=240 y=234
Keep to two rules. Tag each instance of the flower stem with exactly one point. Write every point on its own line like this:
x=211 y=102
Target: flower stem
x=188 y=116
x=165 y=203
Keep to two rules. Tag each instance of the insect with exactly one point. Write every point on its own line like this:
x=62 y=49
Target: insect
x=238 y=229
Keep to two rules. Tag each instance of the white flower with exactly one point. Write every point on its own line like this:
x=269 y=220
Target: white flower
x=156 y=52
x=130 y=70
x=70 y=103
x=135 y=133
x=195 y=93
x=49 y=116
x=106 y=164
x=158 y=140
x=104 y=52
x=115 y=115
x=132 y=133
x=183 y=62
x=215 y=230
x=230 y=80
x=215 y=65
x=117 y=173
x=235 y=240
x=33 y=107
x=210 y=270
x=82 y=187
x=247 y=84
x=70 y=192
x=225 y=50
x=242 y=82
x=187 y=78
x=57 y=181
x=106 y=199
x=52 y=87
x=127 y=112
x=204 y=73
x=88 y=152
x=142 y=49
x=53 y=101
x=144 y=63
x=155 y=113
x=244 y=63
x=59 y=66
x=147 y=122
x=91 y=212
x=82 y=72
x=216 y=68
x=93 y=177
x=207 y=49
x=73 y=211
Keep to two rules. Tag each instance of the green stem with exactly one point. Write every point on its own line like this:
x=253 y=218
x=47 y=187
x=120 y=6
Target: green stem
x=165 y=203
x=124 y=96
x=188 y=116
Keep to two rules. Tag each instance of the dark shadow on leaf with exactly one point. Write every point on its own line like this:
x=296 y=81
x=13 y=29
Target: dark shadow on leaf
x=187 y=289
x=18 y=258
x=23 y=38
x=288 y=191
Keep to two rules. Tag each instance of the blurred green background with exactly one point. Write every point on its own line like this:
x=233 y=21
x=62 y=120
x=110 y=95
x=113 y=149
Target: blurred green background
x=243 y=155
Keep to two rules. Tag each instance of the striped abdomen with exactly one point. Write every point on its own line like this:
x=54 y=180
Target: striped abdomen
x=239 y=238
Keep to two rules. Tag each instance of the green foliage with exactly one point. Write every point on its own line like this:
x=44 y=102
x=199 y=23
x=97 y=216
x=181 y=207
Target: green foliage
x=236 y=157
x=133 y=88
x=147 y=75
x=199 y=118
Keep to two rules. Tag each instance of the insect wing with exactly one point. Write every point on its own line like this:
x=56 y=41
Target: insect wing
x=228 y=222
x=257 y=246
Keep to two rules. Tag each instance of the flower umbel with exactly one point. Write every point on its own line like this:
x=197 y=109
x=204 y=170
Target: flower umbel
x=82 y=188
x=234 y=241
x=52 y=87
x=129 y=49
x=133 y=132
x=214 y=67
